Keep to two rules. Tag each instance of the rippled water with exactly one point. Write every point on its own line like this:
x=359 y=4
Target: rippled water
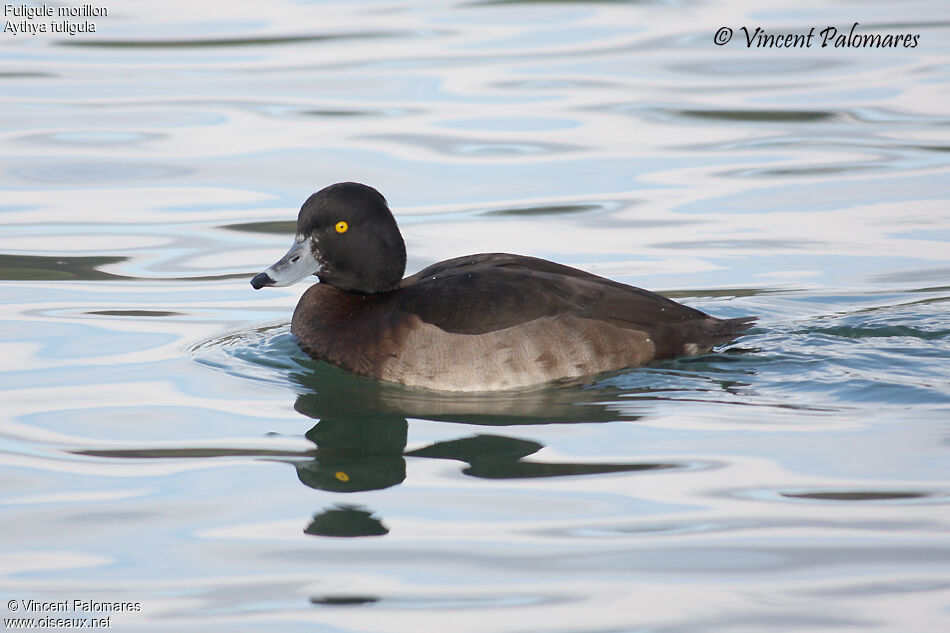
x=165 y=442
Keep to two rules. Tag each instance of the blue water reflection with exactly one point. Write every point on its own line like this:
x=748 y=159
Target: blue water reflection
x=164 y=440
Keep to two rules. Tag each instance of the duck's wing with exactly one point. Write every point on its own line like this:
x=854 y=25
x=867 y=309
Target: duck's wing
x=493 y=291
x=499 y=321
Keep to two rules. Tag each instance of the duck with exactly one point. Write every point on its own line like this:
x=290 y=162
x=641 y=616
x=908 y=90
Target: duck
x=484 y=322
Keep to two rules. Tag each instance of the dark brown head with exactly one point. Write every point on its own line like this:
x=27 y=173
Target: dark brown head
x=348 y=238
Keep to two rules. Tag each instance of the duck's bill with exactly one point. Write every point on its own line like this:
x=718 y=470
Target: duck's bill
x=297 y=264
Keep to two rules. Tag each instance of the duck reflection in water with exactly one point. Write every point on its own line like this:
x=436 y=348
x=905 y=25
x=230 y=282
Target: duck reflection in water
x=360 y=437
x=362 y=429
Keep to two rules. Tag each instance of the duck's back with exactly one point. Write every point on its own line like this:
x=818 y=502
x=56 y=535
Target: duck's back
x=495 y=321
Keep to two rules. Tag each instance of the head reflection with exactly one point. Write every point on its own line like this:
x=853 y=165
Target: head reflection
x=362 y=428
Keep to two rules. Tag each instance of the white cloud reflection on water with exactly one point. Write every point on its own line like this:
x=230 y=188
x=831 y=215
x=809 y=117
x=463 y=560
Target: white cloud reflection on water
x=144 y=184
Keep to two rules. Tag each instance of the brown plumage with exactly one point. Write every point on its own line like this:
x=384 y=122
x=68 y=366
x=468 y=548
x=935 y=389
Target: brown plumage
x=481 y=322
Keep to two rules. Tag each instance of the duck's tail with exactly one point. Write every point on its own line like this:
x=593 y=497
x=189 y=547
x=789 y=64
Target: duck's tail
x=698 y=336
x=718 y=331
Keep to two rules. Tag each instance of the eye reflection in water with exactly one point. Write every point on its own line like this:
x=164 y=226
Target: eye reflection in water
x=361 y=429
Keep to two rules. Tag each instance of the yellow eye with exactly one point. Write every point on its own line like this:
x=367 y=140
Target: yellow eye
x=342 y=476
x=341 y=227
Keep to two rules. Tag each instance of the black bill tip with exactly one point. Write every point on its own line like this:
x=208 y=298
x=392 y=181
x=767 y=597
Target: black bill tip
x=260 y=280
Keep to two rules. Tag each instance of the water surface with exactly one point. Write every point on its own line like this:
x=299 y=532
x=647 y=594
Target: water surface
x=165 y=442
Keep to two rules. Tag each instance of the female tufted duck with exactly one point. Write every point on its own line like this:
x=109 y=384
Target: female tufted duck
x=481 y=322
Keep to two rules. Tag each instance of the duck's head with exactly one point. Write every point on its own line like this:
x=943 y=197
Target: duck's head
x=348 y=238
